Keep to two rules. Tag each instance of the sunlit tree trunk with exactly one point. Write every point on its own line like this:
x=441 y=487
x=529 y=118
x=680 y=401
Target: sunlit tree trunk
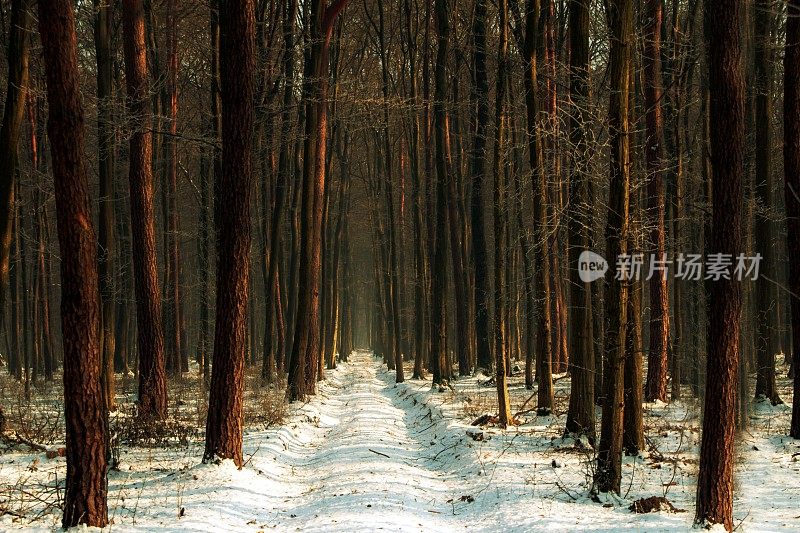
x=152 y=379
x=84 y=403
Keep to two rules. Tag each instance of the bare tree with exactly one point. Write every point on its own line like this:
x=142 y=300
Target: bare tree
x=580 y=416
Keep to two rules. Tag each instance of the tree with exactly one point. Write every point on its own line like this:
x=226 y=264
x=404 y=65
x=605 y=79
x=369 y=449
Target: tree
x=478 y=172
x=104 y=17
x=173 y=325
x=544 y=348
x=580 y=416
x=726 y=115
x=306 y=345
x=656 y=385
x=438 y=353
x=84 y=405
x=152 y=379
x=234 y=189
x=500 y=222
x=13 y=113
x=791 y=169
x=272 y=285
x=609 y=455
x=766 y=340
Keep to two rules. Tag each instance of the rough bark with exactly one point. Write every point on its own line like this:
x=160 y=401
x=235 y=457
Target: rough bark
x=580 y=415
x=152 y=379
x=234 y=188
x=656 y=385
x=609 y=457
x=726 y=111
x=84 y=405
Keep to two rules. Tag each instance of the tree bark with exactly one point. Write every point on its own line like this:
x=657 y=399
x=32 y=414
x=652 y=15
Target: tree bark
x=609 y=458
x=234 y=189
x=104 y=16
x=715 y=481
x=84 y=404
x=656 y=385
x=152 y=379
x=580 y=415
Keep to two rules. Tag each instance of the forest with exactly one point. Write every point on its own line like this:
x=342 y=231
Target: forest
x=419 y=265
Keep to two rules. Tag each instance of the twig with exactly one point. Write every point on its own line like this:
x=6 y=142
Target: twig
x=379 y=453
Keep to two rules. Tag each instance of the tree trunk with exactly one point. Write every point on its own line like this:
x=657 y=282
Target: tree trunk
x=715 y=481
x=174 y=324
x=633 y=431
x=541 y=255
x=234 y=190
x=766 y=338
x=656 y=386
x=478 y=171
x=84 y=403
x=609 y=458
x=104 y=16
x=152 y=379
x=791 y=169
x=501 y=223
x=305 y=347
x=580 y=416
x=16 y=90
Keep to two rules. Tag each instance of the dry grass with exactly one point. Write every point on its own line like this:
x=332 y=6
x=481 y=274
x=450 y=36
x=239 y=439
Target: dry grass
x=39 y=418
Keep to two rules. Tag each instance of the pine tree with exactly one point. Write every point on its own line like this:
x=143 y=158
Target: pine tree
x=84 y=402
x=726 y=115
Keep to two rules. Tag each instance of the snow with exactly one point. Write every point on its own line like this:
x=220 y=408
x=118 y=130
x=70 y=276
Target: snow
x=366 y=454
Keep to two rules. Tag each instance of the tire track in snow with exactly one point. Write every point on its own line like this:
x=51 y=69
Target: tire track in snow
x=381 y=460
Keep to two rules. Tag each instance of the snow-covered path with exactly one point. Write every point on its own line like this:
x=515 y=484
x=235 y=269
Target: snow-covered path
x=374 y=463
x=365 y=454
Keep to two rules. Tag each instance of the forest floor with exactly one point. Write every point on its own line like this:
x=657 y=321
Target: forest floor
x=365 y=454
